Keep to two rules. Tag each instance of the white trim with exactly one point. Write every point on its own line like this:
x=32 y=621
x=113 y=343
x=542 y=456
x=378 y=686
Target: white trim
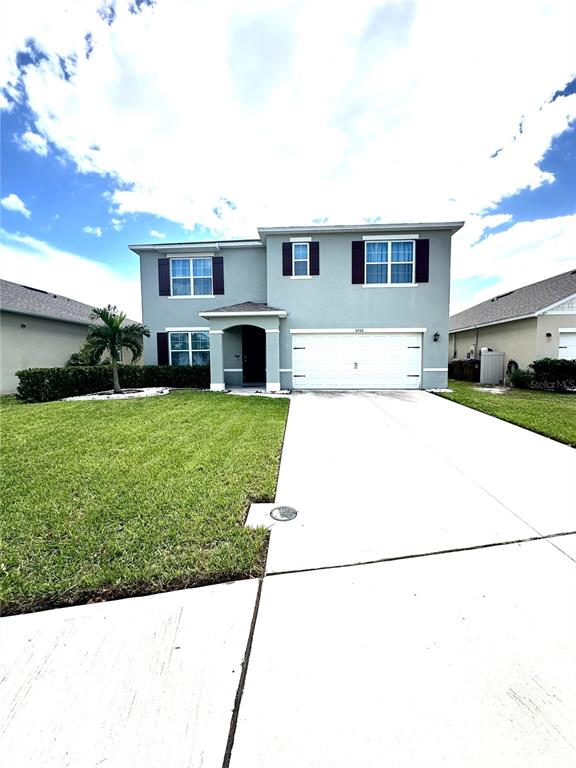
x=560 y=301
x=453 y=226
x=559 y=312
x=390 y=285
x=435 y=369
x=301 y=277
x=493 y=322
x=294 y=259
x=265 y=313
x=197 y=251
x=215 y=332
x=389 y=262
x=217 y=387
x=300 y=239
x=285 y=370
x=272 y=386
x=396 y=237
x=177 y=328
x=190 y=350
x=358 y=330
x=232 y=370
x=201 y=255
x=272 y=330
x=567 y=330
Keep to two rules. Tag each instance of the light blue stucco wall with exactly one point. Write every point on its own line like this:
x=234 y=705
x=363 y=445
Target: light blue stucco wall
x=244 y=280
x=330 y=300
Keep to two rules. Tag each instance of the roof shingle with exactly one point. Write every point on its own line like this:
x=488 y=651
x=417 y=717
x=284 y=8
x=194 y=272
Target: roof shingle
x=523 y=301
x=32 y=301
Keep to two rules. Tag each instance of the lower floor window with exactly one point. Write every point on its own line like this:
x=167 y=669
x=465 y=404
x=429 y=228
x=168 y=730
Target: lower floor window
x=190 y=348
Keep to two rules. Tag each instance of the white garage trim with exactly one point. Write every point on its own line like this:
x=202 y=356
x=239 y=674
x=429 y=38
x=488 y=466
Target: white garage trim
x=567 y=330
x=358 y=330
x=435 y=369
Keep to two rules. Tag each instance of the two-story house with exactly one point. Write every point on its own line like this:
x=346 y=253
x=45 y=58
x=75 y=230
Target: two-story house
x=318 y=307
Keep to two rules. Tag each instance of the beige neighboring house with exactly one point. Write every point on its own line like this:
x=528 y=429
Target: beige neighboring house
x=538 y=320
x=38 y=329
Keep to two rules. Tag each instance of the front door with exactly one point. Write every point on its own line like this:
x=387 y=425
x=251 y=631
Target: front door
x=253 y=355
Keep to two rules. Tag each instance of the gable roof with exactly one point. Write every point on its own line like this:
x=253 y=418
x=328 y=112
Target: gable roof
x=32 y=301
x=522 y=302
x=245 y=308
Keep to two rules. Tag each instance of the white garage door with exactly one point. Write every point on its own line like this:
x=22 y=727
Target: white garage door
x=356 y=360
x=567 y=346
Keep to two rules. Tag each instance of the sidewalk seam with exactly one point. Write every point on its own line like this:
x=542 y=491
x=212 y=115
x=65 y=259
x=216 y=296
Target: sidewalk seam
x=423 y=554
x=242 y=681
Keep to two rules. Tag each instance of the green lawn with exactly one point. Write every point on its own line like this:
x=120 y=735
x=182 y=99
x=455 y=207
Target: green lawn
x=110 y=499
x=549 y=413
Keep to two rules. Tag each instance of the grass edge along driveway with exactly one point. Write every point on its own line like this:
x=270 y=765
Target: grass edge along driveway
x=552 y=414
x=121 y=498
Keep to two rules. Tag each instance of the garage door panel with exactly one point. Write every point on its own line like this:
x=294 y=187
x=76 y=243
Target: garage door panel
x=567 y=346
x=357 y=361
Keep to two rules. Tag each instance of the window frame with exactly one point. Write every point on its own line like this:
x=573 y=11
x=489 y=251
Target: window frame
x=191 y=277
x=389 y=262
x=190 y=350
x=294 y=276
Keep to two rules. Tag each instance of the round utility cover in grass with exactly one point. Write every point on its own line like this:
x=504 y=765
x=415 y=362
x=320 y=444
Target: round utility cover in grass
x=283 y=514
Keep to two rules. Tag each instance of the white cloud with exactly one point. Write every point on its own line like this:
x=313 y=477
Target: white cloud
x=33 y=262
x=525 y=253
x=96 y=231
x=33 y=142
x=117 y=224
x=13 y=203
x=395 y=113
x=155 y=233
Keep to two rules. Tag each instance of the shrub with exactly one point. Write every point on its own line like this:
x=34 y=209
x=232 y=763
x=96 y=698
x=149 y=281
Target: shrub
x=552 y=373
x=520 y=378
x=44 y=384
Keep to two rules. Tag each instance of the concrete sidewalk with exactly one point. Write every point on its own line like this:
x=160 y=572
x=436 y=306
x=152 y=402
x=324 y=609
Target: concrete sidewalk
x=462 y=659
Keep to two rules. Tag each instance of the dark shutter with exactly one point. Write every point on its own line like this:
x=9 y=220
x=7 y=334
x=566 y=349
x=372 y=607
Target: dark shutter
x=422 y=261
x=287 y=259
x=164 y=277
x=358 y=262
x=218 y=275
x=315 y=258
x=162 y=347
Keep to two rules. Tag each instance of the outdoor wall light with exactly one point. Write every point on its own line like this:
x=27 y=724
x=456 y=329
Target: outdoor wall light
x=436 y=336
x=548 y=335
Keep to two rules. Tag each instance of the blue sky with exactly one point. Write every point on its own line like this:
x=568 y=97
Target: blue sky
x=138 y=121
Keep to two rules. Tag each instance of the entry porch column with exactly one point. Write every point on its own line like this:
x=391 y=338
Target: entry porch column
x=217 y=361
x=273 y=359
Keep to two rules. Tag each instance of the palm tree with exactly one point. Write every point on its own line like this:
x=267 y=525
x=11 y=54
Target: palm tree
x=110 y=335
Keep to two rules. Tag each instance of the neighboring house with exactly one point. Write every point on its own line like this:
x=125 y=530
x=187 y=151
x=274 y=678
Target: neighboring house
x=538 y=320
x=319 y=307
x=38 y=329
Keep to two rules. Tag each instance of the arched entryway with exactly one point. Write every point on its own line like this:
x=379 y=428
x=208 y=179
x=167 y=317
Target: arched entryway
x=244 y=345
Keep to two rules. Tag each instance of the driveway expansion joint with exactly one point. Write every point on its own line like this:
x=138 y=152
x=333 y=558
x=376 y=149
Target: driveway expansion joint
x=242 y=681
x=425 y=554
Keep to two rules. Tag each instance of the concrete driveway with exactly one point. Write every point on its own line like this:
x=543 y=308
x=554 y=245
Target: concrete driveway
x=392 y=474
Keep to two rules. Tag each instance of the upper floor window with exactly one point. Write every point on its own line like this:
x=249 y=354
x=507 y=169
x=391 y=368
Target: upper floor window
x=191 y=277
x=389 y=262
x=300 y=259
x=189 y=348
